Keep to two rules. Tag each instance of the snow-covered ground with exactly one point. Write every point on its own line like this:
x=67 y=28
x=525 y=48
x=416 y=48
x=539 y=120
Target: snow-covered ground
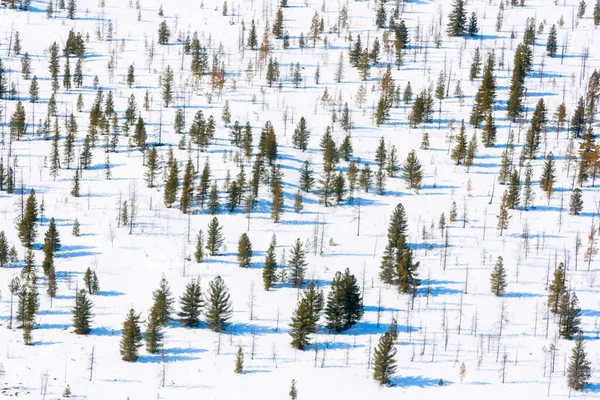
x=199 y=363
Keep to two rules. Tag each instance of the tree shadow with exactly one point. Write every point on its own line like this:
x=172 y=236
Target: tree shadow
x=420 y=381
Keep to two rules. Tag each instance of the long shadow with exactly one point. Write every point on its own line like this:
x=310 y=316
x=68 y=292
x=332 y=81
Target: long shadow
x=407 y=381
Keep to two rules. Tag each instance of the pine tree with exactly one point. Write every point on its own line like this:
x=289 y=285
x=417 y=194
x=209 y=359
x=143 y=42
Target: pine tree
x=475 y=65
x=82 y=313
x=579 y=370
x=204 y=185
x=576 y=202
x=293 y=391
x=473 y=29
x=199 y=253
x=252 y=38
x=556 y=289
x=570 y=315
x=239 y=359
x=213 y=199
x=514 y=190
x=547 y=178
x=76 y=230
x=498 y=278
x=131 y=337
x=503 y=216
x=139 y=134
x=130 y=76
x=171 y=185
x=187 y=188
x=597 y=13
x=277 y=205
x=505 y=167
x=301 y=135
x=268 y=274
x=163 y=33
x=27 y=225
x=167 y=86
x=219 y=307
x=301 y=325
x=215 y=237
x=344 y=303
x=54 y=152
x=551 y=44
x=306 y=177
x=52 y=239
x=152 y=167
x=488 y=133
x=34 y=90
x=298 y=202
x=459 y=151
x=191 y=305
x=384 y=359
x=153 y=335
x=297 y=264
x=412 y=171
x=3 y=250
x=244 y=255
x=163 y=302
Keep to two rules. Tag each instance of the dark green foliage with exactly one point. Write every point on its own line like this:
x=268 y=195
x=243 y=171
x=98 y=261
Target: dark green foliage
x=219 y=307
x=486 y=95
x=548 y=175
x=163 y=33
x=27 y=224
x=522 y=67
x=569 y=314
x=3 y=250
x=533 y=139
x=215 y=237
x=171 y=185
x=397 y=231
x=51 y=239
x=297 y=264
x=187 y=188
x=459 y=152
x=412 y=172
x=191 y=305
x=131 y=337
x=268 y=274
x=384 y=359
x=551 y=44
x=557 y=288
x=82 y=313
x=153 y=334
x=514 y=190
x=457 y=26
x=578 y=119
x=422 y=109
x=277 y=204
x=498 y=278
x=152 y=167
x=163 y=303
x=473 y=29
x=204 y=185
x=344 y=303
x=579 y=370
x=244 y=255
x=90 y=280
x=140 y=136
x=576 y=202
x=301 y=135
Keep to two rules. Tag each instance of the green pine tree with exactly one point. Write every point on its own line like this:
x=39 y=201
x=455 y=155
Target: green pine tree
x=191 y=305
x=163 y=302
x=153 y=335
x=199 y=253
x=131 y=337
x=219 y=307
x=498 y=278
x=82 y=313
x=297 y=264
x=244 y=255
x=579 y=370
x=269 y=268
x=384 y=359
x=239 y=358
x=215 y=237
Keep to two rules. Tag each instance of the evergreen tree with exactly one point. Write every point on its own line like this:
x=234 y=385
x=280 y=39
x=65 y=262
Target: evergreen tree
x=576 y=202
x=153 y=334
x=498 y=278
x=171 y=185
x=570 y=315
x=551 y=44
x=298 y=202
x=488 y=133
x=187 y=188
x=514 y=190
x=503 y=216
x=131 y=337
x=140 y=136
x=579 y=370
x=522 y=67
x=252 y=38
x=167 y=86
x=152 y=167
x=199 y=253
x=301 y=135
x=76 y=229
x=163 y=302
x=244 y=255
x=547 y=178
x=3 y=250
x=268 y=274
x=163 y=33
x=459 y=152
x=277 y=205
x=528 y=193
x=301 y=325
x=458 y=19
x=473 y=29
x=213 y=199
x=384 y=359
x=297 y=264
x=204 y=185
x=578 y=119
x=597 y=13
x=344 y=303
x=52 y=239
x=27 y=224
x=191 y=305
x=505 y=166
x=219 y=308
x=82 y=313
x=412 y=171
x=557 y=288
x=475 y=65
x=239 y=359
x=215 y=237
x=34 y=90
